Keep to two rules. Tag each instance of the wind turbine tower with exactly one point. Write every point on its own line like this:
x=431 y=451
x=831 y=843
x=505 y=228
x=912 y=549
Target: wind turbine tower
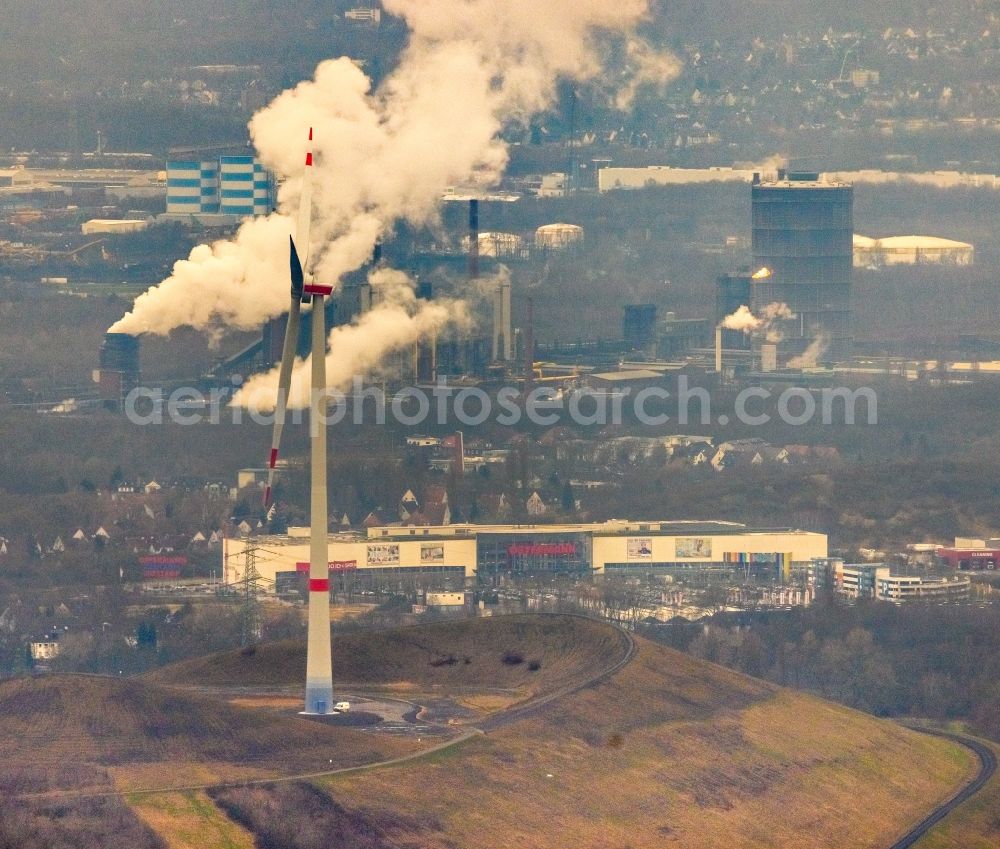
x=319 y=664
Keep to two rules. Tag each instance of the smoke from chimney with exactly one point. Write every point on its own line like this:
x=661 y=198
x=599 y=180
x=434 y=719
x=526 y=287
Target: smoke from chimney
x=388 y=154
x=811 y=356
x=745 y=320
x=529 y=349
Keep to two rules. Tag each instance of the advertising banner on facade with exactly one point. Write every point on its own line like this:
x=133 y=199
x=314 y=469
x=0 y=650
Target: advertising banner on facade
x=640 y=548
x=433 y=553
x=694 y=548
x=383 y=554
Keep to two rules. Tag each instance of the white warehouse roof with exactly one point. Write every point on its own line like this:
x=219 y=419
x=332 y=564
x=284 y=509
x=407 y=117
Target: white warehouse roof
x=921 y=243
x=910 y=250
x=909 y=243
x=560 y=228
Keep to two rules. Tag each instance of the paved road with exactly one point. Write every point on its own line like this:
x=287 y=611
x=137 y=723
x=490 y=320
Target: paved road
x=987 y=767
x=533 y=706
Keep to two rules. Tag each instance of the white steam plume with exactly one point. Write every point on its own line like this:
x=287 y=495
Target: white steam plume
x=647 y=67
x=356 y=349
x=745 y=320
x=943 y=180
x=811 y=356
x=471 y=66
x=234 y=284
x=742 y=319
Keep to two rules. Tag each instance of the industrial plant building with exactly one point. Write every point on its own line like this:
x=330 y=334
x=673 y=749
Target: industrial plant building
x=237 y=186
x=555 y=237
x=192 y=188
x=114 y=226
x=803 y=234
x=459 y=555
x=611 y=179
x=910 y=250
x=119 y=371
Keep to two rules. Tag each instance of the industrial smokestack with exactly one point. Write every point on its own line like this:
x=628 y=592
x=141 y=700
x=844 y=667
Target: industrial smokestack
x=473 y=239
x=718 y=349
x=529 y=350
x=501 y=322
x=768 y=357
x=458 y=454
x=119 y=369
x=425 y=349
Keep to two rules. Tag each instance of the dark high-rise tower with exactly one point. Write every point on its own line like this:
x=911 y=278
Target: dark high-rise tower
x=803 y=234
x=639 y=325
x=119 y=372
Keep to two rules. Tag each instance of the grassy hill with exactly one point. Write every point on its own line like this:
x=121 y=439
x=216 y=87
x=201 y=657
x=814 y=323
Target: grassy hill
x=73 y=732
x=669 y=751
x=975 y=825
x=493 y=653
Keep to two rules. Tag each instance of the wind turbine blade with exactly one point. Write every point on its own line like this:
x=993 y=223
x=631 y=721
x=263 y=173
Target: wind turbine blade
x=288 y=351
x=295 y=266
x=289 y=348
x=304 y=228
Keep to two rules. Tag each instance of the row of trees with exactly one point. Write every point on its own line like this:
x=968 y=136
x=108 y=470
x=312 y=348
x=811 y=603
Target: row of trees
x=107 y=823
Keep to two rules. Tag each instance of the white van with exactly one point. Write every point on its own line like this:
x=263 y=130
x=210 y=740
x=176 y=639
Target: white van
x=342 y=707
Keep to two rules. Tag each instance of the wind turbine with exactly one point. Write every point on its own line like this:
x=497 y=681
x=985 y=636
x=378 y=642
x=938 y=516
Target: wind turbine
x=319 y=665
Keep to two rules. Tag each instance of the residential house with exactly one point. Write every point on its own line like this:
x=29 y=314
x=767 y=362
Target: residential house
x=436 y=506
x=408 y=505
x=744 y=453
x=45 y=648
x=535 y=505
x=697 y=454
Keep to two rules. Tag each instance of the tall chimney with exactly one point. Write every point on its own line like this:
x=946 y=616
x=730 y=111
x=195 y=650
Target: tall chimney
x=425 y=349
x=768 y=357
x=458 y=454
x=501 y=322
x=718 y=349
x=529 y=350
x=473 y=239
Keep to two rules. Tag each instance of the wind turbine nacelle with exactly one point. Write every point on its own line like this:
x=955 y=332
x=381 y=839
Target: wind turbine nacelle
x=300 y=288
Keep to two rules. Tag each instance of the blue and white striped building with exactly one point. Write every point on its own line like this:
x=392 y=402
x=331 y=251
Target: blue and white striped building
x=246 y=188
x=233 y=185
x=192 y=187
